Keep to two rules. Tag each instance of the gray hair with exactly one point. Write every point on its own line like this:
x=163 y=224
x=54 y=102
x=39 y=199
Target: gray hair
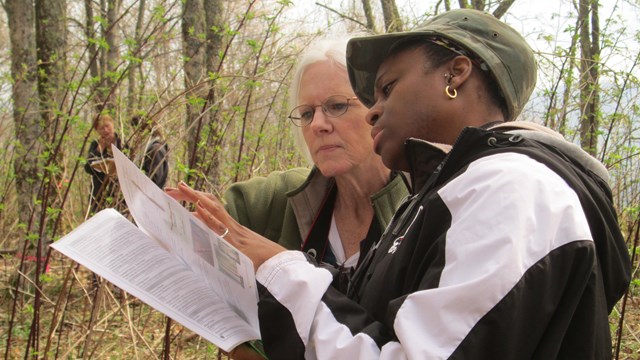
x=333 y=50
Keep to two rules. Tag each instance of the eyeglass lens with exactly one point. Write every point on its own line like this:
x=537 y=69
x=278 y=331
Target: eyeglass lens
x=333 y=106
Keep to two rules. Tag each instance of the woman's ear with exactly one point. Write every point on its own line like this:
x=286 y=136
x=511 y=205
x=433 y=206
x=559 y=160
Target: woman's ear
x=460 y=69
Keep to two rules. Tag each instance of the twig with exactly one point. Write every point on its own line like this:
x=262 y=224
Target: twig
x=626 y=294
x=342 y=15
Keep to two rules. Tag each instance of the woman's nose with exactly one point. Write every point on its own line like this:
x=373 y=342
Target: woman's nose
x=372 y=115
x=320 y=121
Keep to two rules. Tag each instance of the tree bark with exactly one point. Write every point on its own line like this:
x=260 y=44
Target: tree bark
x=213 y=23
x=28 y=134
x=134 y=65
x=50 y=25
x=502 y=8
x=51 y=42
x=368 y=14
x=92 y=50
x=478 y=4
x=589 y=72
x=194 y=51
x=566 y=77
x=28 y=126
x=392 y=20
x=112 y=54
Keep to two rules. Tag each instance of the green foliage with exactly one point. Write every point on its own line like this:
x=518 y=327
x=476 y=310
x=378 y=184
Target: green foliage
x=285 y=2
x=182 y=168
x=101 y=43
x=254 y=45
x=159 y=14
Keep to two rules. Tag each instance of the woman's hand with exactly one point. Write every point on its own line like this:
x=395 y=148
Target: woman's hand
x=213 y=214
x=179 y=195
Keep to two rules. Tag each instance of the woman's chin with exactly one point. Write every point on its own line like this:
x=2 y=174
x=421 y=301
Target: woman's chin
x=334 y=169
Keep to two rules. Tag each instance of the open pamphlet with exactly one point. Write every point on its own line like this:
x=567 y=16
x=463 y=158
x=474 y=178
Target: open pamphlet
x=169 y=260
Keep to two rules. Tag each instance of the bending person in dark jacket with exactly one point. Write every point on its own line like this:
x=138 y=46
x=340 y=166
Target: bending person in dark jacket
x=509 y=247
x=156 y=153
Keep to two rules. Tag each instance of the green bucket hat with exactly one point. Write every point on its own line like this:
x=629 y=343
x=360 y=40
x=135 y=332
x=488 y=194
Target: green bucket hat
x=503 y=50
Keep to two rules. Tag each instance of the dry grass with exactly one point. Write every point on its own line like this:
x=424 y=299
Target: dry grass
x=78 y=322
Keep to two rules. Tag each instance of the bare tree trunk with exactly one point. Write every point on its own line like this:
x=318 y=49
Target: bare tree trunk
x=368 y=14
x=134 y=65
x=565 y=77
x=392 y=21
x=478 y=4
x=28 y=133
x=28 y=128
x=589 y=72
x=594 y=75
x=51 y=42
x=93 y=56
x=112 y=54
x=103 y=30
x=194 y=51
x=502 y=8
x=51 y=46
x=213 y=20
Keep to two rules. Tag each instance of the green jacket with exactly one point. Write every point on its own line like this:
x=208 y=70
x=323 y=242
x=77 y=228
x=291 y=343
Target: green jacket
x=283 y=205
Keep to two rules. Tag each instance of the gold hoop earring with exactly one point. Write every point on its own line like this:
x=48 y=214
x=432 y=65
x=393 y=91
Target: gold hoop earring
x=451 y=95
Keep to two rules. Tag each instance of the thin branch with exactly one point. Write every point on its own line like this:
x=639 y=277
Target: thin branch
x=342 y=15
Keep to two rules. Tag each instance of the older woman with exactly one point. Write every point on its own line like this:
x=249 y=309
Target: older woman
x=338 y=209
x=335 y=211
x=349 y=196
x=509 y=248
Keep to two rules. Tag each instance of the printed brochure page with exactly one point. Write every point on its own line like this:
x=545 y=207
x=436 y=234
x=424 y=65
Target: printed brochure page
x=171 y=261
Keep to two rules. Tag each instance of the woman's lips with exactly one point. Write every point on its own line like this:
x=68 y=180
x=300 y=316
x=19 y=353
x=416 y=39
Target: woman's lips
x=376 y=136
x=327 y=148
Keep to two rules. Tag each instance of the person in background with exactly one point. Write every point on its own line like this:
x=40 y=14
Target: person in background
x=335 y=211
x=509 y=246
x=99 y=163
x=155 y=162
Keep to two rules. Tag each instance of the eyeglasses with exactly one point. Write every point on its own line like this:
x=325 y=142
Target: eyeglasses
x=333 y=106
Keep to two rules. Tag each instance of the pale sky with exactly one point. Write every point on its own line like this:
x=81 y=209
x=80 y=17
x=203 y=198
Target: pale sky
x=542 y=22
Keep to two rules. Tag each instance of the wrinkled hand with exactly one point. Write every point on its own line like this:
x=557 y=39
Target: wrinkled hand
x=209 y=209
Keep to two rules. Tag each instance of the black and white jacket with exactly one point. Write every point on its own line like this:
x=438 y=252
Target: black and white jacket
x=507 y=249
